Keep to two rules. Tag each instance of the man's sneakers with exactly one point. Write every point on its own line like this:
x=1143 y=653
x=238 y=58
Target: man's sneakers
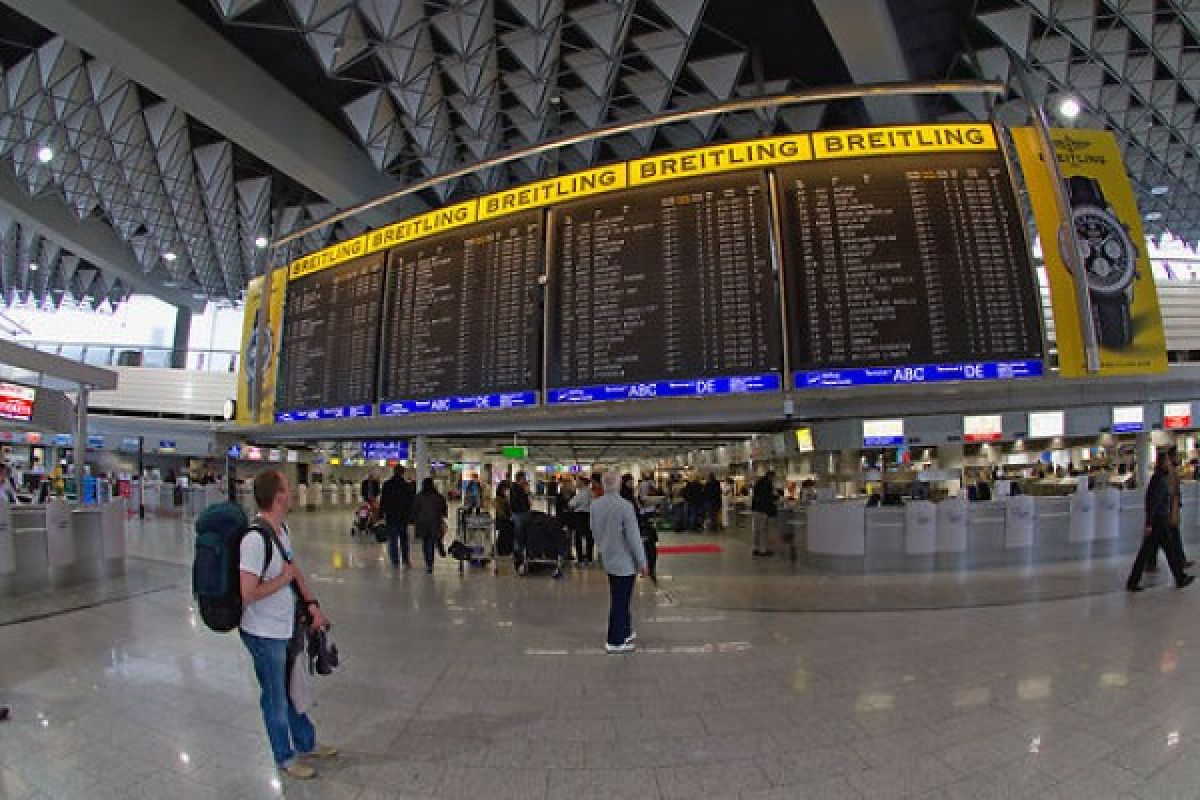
x=321 y=751
x=298 y=771
x=632 y=637
x=613 y=649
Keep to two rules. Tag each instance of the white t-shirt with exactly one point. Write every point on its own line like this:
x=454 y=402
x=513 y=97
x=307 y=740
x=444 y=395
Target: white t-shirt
x=272 y=617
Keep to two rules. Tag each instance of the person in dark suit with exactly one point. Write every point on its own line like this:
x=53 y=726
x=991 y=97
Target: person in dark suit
x=370 y=488
x=396 y=501
x=1159 y=504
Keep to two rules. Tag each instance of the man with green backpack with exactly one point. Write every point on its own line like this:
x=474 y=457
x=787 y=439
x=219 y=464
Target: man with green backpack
x=269 y=601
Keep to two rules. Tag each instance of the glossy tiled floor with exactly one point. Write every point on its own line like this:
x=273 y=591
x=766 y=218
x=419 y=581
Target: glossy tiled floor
x=473 y=686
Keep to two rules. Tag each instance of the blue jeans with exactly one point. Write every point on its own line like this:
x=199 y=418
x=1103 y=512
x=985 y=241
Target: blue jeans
x=285 y=725
x=620 y=621
x=397 y=533
x=519 y=518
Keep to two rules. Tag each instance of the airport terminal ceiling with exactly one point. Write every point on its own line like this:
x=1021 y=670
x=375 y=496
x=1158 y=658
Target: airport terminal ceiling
x=177 y=136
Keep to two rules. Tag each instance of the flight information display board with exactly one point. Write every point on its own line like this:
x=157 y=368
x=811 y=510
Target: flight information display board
x=329 y=353
x=664 y=291
x=463 y=322
x=907 y=269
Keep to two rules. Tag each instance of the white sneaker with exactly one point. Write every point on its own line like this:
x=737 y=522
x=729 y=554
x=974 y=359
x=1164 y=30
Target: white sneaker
x=612 y=649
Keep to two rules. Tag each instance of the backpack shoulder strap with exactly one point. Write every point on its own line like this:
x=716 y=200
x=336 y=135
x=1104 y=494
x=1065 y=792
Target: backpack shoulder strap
x=269 y=543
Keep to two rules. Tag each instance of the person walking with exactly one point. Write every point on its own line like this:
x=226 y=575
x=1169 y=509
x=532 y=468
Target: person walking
x=274 y=594
x=519 y=506
x=580 y=507
x=763 y=508
x=429 y=516
x=396 y=501
x=646 y=528
x=713 y=499
x=369 y=489
x=1157 y=534
x=618 y=538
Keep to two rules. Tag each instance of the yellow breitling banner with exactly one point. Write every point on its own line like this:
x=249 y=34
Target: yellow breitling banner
x=245 y=387
x=713 y=160
x=1112 y=248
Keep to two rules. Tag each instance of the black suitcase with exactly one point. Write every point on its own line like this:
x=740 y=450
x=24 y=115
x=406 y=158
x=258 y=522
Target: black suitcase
x=545 y=538
x=504 y=537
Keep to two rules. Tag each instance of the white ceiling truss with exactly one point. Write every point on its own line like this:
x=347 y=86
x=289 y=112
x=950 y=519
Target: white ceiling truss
x=1135 y=67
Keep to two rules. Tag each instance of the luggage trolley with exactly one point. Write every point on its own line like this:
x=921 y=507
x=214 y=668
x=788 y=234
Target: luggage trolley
x=475 y=534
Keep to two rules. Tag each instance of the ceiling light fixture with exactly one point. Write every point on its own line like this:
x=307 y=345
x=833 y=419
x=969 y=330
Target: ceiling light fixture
x=169 y=257
x=1159 y=190
x=45 y=154
x=261 y=242
x=1070 y=107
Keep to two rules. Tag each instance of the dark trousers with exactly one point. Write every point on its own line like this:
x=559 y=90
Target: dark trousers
x=651 y=548
x=585 y=544
x=620 y=594
x=397 y=532
x=1159 y=537
x=1175 y=539
x=429 y=537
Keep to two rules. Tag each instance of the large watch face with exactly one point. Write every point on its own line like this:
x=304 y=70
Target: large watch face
x=1109 y=257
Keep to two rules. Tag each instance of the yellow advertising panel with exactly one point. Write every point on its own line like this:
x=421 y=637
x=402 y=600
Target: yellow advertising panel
x=903 y=140
x=553 y=190
x=1112 y=247
x=720 y=158
x=246 y=397
x=418 y=227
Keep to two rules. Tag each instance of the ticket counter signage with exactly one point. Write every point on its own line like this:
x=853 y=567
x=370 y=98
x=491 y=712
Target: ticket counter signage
x=1177 y=416
x=883 y=432
x=275 y=456
x=1046 y=424
x=1128 y=419
x=252 y=453
x=983 y=428
x=804 y=440
x=1112 y=249
x=16 y=402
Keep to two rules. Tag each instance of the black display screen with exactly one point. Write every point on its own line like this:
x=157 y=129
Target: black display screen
x=906 y=260
x=464 y=313
x=331 y=337
x=671 y=282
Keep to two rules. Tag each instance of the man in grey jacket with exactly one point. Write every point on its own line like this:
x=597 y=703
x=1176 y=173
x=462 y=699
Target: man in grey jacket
x=619 y=540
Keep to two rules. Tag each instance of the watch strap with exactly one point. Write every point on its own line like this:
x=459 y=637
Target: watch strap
x=1085 y=191
x=1113 y=320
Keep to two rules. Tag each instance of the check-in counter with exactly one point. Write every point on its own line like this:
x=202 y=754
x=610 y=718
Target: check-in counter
x=333 y=495
x=846 y=536
x=50 y=546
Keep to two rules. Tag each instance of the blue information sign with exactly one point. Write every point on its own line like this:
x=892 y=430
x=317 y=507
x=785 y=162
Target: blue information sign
x=742 y=384
x=401 y=408
x=235 y=451
x=918 y=373
x=385 y=451
x=337 y=412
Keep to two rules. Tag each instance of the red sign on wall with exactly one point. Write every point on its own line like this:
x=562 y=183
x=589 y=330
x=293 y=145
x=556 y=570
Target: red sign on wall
x=16 y=402
x=1177 y=416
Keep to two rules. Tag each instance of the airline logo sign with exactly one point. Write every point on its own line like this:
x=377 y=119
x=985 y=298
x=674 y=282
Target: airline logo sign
x=701 y=161
x=1177 y=416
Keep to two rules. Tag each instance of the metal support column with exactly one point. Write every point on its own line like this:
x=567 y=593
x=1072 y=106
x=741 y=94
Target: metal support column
x=1145 y=459
x=183 y=333
x=81 y=434
x=421 y=459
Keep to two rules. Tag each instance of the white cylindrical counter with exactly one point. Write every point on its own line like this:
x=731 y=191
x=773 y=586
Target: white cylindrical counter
x=847 y=536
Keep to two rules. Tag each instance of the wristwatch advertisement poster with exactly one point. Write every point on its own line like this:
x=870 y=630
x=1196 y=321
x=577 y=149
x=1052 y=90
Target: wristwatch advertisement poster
x=247 y=391
x=1107 y=231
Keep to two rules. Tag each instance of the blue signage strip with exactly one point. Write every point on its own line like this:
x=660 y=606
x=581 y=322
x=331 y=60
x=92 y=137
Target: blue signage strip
x=743 y=384
x=918 y=373
x=1128 y=427
x=882 y=441
x=337 y=412
x=386 y=451
x=402 y=408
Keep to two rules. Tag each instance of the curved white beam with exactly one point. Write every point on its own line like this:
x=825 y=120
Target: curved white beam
x=169 y=50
